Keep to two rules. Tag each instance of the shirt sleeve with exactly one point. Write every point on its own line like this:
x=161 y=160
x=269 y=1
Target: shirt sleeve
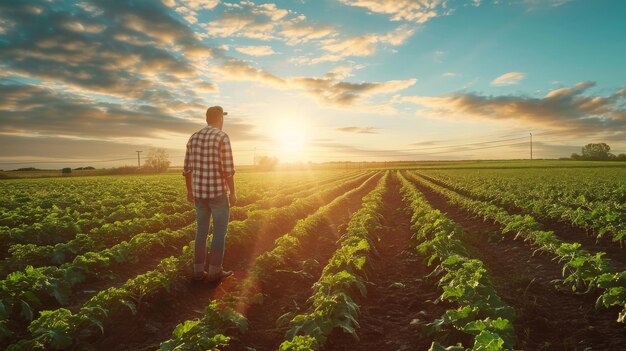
x=188 y=165
x=226 y=158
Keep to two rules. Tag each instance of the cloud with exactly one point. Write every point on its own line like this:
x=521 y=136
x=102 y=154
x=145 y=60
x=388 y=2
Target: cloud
x=450 y=74
x=79 y=27
x=508 y=79
x=344 y=94
x=248 y=20
x=258 y=50
x=551 y=3
x=296 y=31
x=337 y=49
x=358 y=130
x=266 y=22
x=102 y=47
x=568 y=110
x=28 y=109
x=20 y=147
x=329 y=90
x=418 y=11
x=240 y=25
x=238 y=70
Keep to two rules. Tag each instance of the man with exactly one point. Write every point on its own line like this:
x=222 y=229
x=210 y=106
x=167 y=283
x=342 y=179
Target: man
x=209 y=171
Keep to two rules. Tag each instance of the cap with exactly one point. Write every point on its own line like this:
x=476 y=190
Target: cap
x=215 y=111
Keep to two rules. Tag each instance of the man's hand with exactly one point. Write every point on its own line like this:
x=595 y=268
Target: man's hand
x=190 y=197
x=232 y=198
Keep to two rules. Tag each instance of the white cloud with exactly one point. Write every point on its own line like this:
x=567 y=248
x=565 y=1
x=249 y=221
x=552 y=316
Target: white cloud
x=295 y=31
x=78 y=27
x=418 y=11
x=262 y=50
x=509 y=78
x=337 y=49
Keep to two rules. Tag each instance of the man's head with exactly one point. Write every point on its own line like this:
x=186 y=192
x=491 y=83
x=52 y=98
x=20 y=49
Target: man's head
x=215 y=116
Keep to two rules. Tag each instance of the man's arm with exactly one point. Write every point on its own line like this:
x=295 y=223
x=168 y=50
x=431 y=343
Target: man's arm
x=188 y=182
x=232 y=197
x=228 y=168
x=187 y=173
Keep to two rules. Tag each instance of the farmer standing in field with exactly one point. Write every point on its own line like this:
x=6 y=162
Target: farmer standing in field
x=208 y=172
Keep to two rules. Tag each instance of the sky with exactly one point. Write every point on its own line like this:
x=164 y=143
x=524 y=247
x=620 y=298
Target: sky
x=89 y=83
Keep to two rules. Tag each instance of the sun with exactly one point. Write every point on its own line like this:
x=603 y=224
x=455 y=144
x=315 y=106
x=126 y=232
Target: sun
x=291 y=138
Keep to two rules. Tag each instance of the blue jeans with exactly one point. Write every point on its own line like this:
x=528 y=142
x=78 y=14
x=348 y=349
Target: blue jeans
x=220 y=209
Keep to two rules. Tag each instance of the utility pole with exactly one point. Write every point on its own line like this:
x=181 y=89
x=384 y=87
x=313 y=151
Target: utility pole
x=531 y=146
x=138 y=159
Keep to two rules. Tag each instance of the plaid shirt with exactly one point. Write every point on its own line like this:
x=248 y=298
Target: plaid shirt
x=209 y=158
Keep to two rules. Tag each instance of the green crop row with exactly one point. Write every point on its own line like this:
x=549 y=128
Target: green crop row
x=169 y=276
x=333 y=303
x=604 y=215
x=56 y=225
x=286 y=196
x=284 y=255
x=464 y=281
x=23 y=255
x=581 y=269
x=105 y=203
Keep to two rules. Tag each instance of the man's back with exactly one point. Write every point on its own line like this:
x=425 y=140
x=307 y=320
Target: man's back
x=209 y=157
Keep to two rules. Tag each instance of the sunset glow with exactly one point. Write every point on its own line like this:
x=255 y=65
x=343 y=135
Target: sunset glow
x=310 y=80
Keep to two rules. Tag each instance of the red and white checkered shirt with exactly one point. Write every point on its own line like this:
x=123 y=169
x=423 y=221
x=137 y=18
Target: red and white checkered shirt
x=209 y=158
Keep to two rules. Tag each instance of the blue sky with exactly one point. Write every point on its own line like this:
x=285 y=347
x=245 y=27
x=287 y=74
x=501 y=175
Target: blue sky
x=308 y=80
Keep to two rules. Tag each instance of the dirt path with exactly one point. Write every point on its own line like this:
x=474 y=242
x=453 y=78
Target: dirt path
x=398 y=292
x=156 y=324
x=547 y=318
x=564 y=231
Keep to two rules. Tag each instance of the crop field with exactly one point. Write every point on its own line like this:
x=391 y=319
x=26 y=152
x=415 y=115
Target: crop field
x=410 y=258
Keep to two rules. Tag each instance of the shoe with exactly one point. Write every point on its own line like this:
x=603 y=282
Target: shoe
x=218 y=276
x=199 y=278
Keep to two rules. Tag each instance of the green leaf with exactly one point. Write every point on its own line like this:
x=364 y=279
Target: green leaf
x=4 y=314
x=435 y=346
x=5 y=332
x=488 y=341
x=26 y=311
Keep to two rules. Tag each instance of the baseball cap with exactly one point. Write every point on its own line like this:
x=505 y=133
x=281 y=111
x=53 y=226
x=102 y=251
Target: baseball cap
x=215 y=111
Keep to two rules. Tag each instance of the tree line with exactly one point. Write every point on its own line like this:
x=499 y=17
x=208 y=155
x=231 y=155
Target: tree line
x=597 y=152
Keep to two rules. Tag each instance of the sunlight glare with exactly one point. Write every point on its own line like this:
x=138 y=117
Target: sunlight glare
x=290 y=135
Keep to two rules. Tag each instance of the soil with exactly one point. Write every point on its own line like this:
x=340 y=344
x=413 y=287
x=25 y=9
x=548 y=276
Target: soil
x=399 y=291
x=155 y=324
x=548 y=317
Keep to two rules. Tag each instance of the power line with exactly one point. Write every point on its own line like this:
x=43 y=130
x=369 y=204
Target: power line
x=428 y=153
x=469 y=144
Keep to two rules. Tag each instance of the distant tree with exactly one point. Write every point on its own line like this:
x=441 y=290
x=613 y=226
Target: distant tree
x=158 y=160
x=576 y=157
x=66 y=170
x=596 y=152
x=28 y=169
x=266 y=163
x=621 y=157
